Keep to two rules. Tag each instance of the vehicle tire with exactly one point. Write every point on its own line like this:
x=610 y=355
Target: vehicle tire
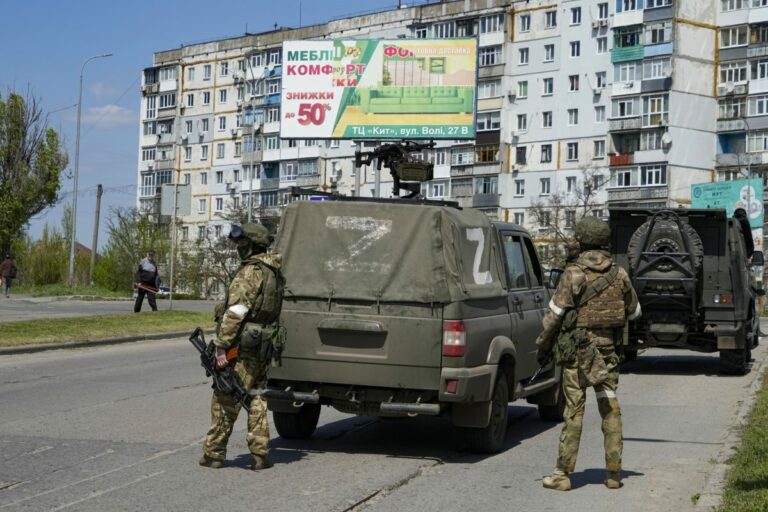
x=629 y=355
x=490 y=439
x=298 y=425
x=733 y=361
x=555 y=412
x=666 y=237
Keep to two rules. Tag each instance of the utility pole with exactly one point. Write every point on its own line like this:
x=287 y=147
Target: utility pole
x=94 y=245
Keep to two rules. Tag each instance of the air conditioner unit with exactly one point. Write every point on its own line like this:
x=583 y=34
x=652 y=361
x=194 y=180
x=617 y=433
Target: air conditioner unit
x=511 y=96
x=233 y=131
x=603 y=22
x=184 y=138
x=516 y=167
x=595 y=23
x=663 y=122
x=239 y=104
x=598 y=90
x=722 y=90
x=629 y=84
x=235 y=76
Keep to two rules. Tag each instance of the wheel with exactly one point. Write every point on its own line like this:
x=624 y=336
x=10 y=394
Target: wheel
x=733 y=361
x=490 y=439
x=554 y=412
x=629 y=355
x=298 y=425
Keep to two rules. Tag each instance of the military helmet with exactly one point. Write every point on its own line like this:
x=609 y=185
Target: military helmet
x=592 y=232
x=255 y=232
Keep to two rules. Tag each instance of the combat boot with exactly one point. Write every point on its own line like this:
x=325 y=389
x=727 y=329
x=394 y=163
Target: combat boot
x=260 y=462
x=208 y=462
x=558 y=481
x=613 y=479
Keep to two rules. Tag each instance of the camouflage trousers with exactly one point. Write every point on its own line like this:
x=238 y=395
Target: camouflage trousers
x=224 y=412
x=608 y=405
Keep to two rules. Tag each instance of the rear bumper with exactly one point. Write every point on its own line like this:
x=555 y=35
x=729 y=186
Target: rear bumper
x=473 y=384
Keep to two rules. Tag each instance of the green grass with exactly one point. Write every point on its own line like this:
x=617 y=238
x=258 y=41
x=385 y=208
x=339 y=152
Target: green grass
x=57 y=290
x=747 y=488
x=84 y=328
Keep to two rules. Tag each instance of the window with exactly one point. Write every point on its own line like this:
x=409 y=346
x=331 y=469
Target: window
x=488 y=121
x=627 y=37
x=271 y=143
x=733 y=36
x=731 y=107
x=187 y=178
x=547 y=86
x=236 y=175
x=519 y=218
x=490 y=55
x=185 y=232
x=628 y=5
x=275 y=56
x=570 y=183
x=759 y=34
x=544 y=186
x=546 y=153
x=219 y=206
x=573 y=83
x=522 y=89
x=151 y=107
x=602 y=11
x=206 y=98
x=440 y=157
x=217 y=229
x=191 y=100
x=651 y=139
x=652 y=175
x=187 y=153
x=462 y=156
x=625 y=71
x=487 y=153
x=435 y=189
x=219 y=153
x=573 y=116
x=525 y=23
x=521 y=156
x=758 y=105
x=757 y=140
x=623 y=178
x=522 y=56
x=238 y=149
x=546 y=119
x=223 y=96
x=656 y=33
x=650 y=4
x=492 y=23
x=204 y=156
x=190 y=73
x=516 y=269
x=444 y=30
x=570 y=218
x=147 y=154
x=201 y=231
x=224 y=69
x=273 y=86
x=550 y=19
x=575 y=15
x=486 y=185
x=572 y=152
x=168 y=73
x=602 y=45
x=519 y=187
x=549 y=52
x=168 y=100
x=489 y=89
x=655 y=110
x=575 y=48
x=599 y=114
x=599 y=149
x=656 y=68
x=204 y=125
x=207 y=72
x=732 y=5
x=600 y=80
x=202 y=206
x=522 y=122
x=734 y=71
x=759 y=72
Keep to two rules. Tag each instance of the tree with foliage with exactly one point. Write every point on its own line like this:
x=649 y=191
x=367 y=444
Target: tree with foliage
x=31 y=162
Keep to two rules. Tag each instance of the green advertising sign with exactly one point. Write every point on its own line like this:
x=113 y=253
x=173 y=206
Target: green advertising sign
x=730 y=195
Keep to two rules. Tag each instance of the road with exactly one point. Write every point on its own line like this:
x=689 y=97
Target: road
x=120 y=428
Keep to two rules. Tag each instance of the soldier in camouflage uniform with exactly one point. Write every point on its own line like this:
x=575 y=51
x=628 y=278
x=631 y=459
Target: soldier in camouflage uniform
x=249 y=322
x=591 y=305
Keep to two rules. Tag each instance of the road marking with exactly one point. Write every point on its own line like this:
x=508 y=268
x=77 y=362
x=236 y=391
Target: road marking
x=105 y=491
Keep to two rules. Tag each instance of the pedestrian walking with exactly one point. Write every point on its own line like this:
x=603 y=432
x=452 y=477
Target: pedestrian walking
x=146 y=282
x=8 y=273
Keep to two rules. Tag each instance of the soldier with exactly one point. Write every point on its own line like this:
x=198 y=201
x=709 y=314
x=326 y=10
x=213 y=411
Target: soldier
x=593 y=301
x=249 y=322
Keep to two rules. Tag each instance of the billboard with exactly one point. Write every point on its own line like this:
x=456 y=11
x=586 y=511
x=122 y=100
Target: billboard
x=747 y=194
x=379 y=89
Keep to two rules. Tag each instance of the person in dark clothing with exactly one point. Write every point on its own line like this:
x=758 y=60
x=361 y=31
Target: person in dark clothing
x=8 y=273
x=147 y=282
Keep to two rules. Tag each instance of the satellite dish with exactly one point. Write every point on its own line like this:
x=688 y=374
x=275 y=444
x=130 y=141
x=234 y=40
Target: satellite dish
x=666 y=139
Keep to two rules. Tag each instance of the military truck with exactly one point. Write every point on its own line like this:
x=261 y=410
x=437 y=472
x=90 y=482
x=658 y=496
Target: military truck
x=689 y=268
x=399 y=308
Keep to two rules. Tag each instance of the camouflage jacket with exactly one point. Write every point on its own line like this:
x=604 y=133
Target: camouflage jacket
x=243 y=295
x=572 y=284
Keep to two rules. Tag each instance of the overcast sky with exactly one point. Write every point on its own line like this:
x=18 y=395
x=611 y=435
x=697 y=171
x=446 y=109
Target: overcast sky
x=44 y=44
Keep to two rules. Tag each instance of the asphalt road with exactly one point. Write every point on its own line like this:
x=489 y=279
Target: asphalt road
x=120 y=428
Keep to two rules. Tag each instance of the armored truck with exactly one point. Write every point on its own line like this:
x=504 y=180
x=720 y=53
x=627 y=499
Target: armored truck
x=399 y=308
x=690 y=270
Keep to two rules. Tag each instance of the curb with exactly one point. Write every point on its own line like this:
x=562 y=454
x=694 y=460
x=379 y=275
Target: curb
x=711 y=496
x=29 y=349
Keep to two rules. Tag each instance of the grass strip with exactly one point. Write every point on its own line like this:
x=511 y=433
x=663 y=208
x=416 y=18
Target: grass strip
x=86 y=328
x=747 y=487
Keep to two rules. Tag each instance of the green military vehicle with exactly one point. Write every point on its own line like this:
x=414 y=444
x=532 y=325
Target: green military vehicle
x=689 y=268
x=400 y=308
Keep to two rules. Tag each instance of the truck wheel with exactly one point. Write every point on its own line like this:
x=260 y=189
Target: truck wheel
x=733 y=361
x=554 y=412
x=298 y=425
x=491 y=438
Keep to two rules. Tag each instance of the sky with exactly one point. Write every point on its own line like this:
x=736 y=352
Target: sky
x=45 y=42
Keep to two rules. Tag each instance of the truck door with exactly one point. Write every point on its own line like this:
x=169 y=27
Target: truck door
x=525 y=299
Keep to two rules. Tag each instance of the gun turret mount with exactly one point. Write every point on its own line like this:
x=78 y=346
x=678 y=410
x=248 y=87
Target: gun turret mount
x=408 y=172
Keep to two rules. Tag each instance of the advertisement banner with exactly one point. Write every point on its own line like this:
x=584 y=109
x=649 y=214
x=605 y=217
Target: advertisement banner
x=730 y=195
x=379 y=89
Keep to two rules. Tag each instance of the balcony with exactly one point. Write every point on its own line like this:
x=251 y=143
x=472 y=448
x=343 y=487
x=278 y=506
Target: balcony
x=165 y=164
x=627 y=53
x=485 y=200
x=731 y=125
x=624 y=194
x=310 y=180
x=731 y=89
x=150 y=88
x=617 y=160
x=654 y=50
x=270 y=183
x=624 y=124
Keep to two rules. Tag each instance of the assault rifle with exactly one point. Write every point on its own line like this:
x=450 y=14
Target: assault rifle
x=402 y=166
x=224 y=379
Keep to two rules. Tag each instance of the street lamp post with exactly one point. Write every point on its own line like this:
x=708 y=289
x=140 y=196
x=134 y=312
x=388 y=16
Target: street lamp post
x=77 y=168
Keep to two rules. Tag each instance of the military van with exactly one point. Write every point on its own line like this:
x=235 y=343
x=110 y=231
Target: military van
x=689 y=268
x=401 y=308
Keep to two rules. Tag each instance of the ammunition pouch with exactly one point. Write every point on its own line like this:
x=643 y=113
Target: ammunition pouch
x=565 y=348
x=264 y=341
x=592 y=367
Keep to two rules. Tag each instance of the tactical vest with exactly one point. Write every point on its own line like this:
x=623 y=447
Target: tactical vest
x=266 y=309
x=604 y=310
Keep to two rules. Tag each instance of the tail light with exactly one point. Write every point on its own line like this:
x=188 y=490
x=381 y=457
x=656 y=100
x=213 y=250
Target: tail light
x=454 y=338
x=722 y=299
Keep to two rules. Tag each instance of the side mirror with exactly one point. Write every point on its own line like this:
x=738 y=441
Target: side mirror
x=554 y=277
